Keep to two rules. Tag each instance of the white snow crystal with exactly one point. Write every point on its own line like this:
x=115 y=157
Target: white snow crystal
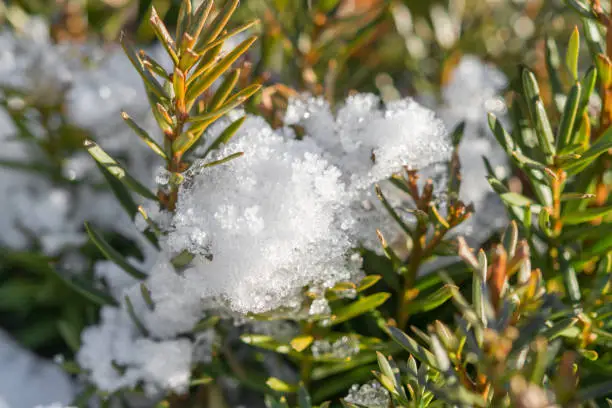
x=271 y=221
x=371 y=395
x=367 y=143
x=343 y=348
x=37 y=207
x=284 y=216
x=472 y=92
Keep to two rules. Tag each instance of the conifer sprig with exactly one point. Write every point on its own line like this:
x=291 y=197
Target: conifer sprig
x=181 y=98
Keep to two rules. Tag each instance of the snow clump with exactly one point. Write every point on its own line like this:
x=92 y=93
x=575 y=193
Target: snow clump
x=262 y=228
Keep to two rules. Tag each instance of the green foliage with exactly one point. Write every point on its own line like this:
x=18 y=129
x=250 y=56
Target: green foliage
x=526 y=318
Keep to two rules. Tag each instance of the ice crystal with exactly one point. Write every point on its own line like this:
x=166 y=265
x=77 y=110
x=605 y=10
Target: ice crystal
x=31 y=65
x=472 y=91
x=319 y=307
x=343 y=348
x=162 y=176
x=371 y=395
x=368 y=144
x=281 y=205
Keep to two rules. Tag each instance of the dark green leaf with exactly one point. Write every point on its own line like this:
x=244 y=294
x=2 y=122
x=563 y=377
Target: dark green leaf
x=553 y=63
x=544 y=129
x=566 y=130
x=392 y=211
x=70 y=334
x=595 y=391
x=87 y=290
x=112 y=255
x=120 y=192
x=116 y=170
x=503 y=138
x=430 y=301
x=303 y=397
x=593 y=36
x=602 y=145
x=586 y=215
x=581 y=8
x=555 y=330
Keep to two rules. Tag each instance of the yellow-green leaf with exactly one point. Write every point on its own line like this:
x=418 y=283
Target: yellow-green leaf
x=281 y=386
x=586 y=215
x=359 y=307
x=198 y=84
x=571 y=58
x=301 y=343
x=163 y=35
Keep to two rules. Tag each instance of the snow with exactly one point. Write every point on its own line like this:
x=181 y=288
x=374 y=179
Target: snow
x=284 y=217
x=27 y=381
x=371 y=395
x=117 y=356
x=292 y=207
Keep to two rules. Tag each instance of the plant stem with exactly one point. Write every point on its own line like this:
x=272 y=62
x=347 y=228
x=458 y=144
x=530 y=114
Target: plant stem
x=416 y=256
x=556 y=193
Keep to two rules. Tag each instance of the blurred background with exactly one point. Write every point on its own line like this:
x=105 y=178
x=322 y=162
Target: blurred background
x=407 y=44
